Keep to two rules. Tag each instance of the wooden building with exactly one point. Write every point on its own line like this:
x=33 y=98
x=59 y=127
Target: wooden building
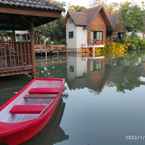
x=87 y=28
x=18 y=57
x=118 y=26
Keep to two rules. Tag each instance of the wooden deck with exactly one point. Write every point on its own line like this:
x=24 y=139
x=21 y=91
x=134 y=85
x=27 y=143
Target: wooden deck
x=41 y=48
x=18 y=70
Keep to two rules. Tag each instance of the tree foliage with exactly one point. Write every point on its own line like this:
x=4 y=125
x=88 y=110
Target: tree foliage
x=130 y=16
x=133 y=17
x=53 y=31
x=76 y=8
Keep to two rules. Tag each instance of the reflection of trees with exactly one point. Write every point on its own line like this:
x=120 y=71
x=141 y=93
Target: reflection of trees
x=125 y=73
x=9 y=85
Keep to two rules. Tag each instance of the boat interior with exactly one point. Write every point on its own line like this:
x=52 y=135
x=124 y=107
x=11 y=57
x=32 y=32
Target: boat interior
x=32 y=102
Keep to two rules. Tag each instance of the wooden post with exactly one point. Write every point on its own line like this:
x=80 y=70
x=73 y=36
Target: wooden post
x=94 y=51
x=46 y=56
x=32 y=50
x=14 y=45
x=13 y=35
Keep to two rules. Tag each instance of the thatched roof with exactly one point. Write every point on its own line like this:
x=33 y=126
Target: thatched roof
x=84 y=17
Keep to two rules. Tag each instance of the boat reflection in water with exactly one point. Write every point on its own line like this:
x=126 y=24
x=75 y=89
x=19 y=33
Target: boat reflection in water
x=53 y=133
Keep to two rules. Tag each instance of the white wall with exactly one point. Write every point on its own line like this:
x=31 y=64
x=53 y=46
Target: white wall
x=139 y=34
x=80 y=36
x=79 y=65
x=71 y=43
x=91 y=37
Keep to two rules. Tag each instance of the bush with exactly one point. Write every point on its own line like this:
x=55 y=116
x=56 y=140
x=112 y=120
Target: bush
x=134 y=42
x=115 y=49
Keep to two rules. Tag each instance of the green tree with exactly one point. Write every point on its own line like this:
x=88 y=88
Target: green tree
x=133 y=17
x=53 y=31
x=76 y=8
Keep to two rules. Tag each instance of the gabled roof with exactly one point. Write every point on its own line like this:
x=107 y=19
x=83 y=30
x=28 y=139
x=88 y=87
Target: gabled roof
x=79 y=18
x=113 y=20
x=84 y=17
x=116 y=23
x=33 y=4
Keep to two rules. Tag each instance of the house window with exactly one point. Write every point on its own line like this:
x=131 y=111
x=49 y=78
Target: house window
x=71 y=34
x=98 y=35
x=71 y=68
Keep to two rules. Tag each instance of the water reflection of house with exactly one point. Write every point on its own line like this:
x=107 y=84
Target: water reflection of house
x=86 y=72
x=76 y=66
x=87 y=28
x=97 y=73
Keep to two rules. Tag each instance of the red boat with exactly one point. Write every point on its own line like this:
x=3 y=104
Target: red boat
x=27 y=113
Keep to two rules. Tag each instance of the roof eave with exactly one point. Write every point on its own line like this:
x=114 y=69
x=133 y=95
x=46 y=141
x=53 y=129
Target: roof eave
x=29 y=12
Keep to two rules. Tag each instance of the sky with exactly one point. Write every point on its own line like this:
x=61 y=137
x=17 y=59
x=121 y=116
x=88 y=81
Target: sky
x=89 y=3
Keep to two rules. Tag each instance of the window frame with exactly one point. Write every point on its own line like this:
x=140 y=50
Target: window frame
x=71 y=34
x=98 y=35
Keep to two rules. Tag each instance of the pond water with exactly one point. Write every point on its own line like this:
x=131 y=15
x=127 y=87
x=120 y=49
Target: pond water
x=105 y=103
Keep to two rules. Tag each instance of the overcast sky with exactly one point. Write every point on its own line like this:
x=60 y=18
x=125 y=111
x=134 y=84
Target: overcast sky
x=89 y=3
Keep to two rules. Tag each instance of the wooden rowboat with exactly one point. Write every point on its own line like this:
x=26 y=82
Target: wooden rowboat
x=27 y=113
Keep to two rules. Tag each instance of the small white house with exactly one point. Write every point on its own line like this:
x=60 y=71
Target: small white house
x=76 y=36
x=139 y=34
x=86 y=28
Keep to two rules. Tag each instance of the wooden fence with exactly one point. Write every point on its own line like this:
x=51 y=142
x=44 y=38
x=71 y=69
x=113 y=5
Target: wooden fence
x=15 y=58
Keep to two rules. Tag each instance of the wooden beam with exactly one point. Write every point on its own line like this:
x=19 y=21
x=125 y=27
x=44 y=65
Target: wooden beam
x=32 y=50
x=28 y=12
x=21 y=22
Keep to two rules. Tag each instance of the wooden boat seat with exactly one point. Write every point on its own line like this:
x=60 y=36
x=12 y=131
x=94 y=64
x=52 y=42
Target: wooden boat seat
x=37 y=96
x=27 y=109
x=44 y=91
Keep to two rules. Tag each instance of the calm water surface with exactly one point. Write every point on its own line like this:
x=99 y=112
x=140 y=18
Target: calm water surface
x=105 y=102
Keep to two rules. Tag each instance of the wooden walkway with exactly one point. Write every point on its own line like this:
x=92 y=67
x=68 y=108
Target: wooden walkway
x=41 y=48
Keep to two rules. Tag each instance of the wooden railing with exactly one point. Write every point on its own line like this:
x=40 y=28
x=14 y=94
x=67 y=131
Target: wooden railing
x=49 y=48
x=15 y=58
x=100 y=42
x=15 y=54
x=103 y=42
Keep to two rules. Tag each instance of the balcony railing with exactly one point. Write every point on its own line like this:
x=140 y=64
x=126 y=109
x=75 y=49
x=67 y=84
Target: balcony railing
x=97 y=42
